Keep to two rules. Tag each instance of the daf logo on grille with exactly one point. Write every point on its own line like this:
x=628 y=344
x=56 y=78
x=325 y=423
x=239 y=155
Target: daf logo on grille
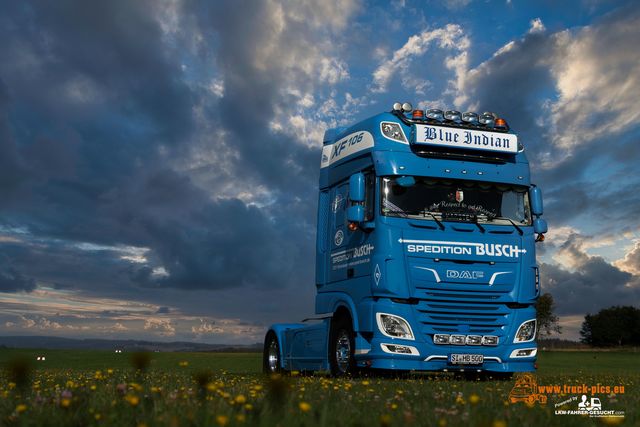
x=465 y=274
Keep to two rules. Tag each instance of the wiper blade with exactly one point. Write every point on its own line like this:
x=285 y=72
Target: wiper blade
x=440 y=224
x=520 y=232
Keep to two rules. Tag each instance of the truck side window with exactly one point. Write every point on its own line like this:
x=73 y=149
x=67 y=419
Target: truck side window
x=370 y=196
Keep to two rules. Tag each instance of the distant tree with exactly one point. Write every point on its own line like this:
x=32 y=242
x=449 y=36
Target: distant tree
x=547 y=320
x=613 y=326
x=585 y=330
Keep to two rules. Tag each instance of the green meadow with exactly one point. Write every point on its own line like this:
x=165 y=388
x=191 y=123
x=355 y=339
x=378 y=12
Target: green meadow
x=99 y=388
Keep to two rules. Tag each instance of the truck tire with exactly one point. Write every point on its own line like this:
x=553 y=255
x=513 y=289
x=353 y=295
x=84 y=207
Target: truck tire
x=342 y=348
x=271 y=354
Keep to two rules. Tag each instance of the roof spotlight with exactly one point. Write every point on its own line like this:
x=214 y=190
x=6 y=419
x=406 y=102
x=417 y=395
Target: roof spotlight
x=487 y=120
x=397 y=106
x=434 y=114
x=470 y=118
x=406 y=107
x=452 y=115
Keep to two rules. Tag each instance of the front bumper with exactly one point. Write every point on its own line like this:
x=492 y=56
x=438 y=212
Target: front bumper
x=424 y=355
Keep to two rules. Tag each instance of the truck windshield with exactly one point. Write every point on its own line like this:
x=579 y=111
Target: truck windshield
x=455 y=200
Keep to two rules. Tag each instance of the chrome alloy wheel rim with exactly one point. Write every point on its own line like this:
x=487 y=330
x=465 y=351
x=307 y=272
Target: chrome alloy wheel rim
x=273 y=356
x=343 y=351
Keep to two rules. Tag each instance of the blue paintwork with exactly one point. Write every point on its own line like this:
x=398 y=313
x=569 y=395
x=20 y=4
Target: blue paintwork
x=430 y=301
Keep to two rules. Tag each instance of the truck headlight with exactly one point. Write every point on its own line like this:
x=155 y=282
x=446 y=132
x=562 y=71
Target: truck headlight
x=394 y=326
x=392 y=131
x=526 y=331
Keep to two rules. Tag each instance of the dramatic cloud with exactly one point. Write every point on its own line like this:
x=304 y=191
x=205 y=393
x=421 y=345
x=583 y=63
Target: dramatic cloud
x=586 y=283
x=159 y=162
x=451 y=38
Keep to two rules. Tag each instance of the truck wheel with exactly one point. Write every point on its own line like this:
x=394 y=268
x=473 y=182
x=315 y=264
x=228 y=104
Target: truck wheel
x=342 y=348
x=271 y=354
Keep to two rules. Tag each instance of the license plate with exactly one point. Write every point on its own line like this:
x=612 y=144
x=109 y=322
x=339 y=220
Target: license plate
x=466 y=359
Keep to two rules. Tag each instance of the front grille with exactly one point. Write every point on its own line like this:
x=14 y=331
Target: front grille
x=463 y=312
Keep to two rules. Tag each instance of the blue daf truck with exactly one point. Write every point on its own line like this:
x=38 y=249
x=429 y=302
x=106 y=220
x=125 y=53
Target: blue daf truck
x=425 y=252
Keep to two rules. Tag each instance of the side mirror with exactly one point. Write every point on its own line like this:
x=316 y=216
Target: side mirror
x=355 y=214
x=356 y=187
x=539 y=226
x=535 y=195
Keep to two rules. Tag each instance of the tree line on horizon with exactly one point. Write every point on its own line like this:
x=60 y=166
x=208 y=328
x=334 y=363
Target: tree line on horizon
x=610 y=327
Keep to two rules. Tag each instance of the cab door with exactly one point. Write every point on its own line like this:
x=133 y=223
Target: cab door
x=338 y=235
x=351 y=251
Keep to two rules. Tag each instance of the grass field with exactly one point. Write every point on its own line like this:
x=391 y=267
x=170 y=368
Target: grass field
x=98 y=388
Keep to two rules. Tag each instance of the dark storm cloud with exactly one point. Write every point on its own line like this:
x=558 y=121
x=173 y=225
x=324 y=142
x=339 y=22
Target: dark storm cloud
x=11 y=280
x=591 y=284
x=511 y=82
x=253 y=91
x=93 y=109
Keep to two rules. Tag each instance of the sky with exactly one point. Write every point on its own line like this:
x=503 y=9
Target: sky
x=159 y=160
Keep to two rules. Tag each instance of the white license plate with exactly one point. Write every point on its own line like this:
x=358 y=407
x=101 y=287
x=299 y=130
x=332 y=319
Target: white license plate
x=466 y=359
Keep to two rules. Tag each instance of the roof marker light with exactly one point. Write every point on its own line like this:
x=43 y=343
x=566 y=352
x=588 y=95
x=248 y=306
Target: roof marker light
x=406 y=107
x=397 y=106
x=417 y=114
x=501 y=124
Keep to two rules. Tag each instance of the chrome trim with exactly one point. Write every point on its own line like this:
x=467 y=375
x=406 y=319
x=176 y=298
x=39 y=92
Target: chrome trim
x=496 y=274
x=435 y=356
x=435 y=273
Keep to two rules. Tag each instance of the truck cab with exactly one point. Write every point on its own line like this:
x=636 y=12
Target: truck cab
x=425 y=250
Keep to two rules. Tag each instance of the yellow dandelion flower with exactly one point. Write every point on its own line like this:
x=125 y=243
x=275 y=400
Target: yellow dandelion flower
x=304 y=406
x=132 y=399
x=97 y=417
x=222 y=420
x=442 y=422
x=248 y=407
x=21 y=408
x=385 y=420
x=65 y=403
x=499 y=423
x=474 y=398
x=241 y=418
x=240 y=399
